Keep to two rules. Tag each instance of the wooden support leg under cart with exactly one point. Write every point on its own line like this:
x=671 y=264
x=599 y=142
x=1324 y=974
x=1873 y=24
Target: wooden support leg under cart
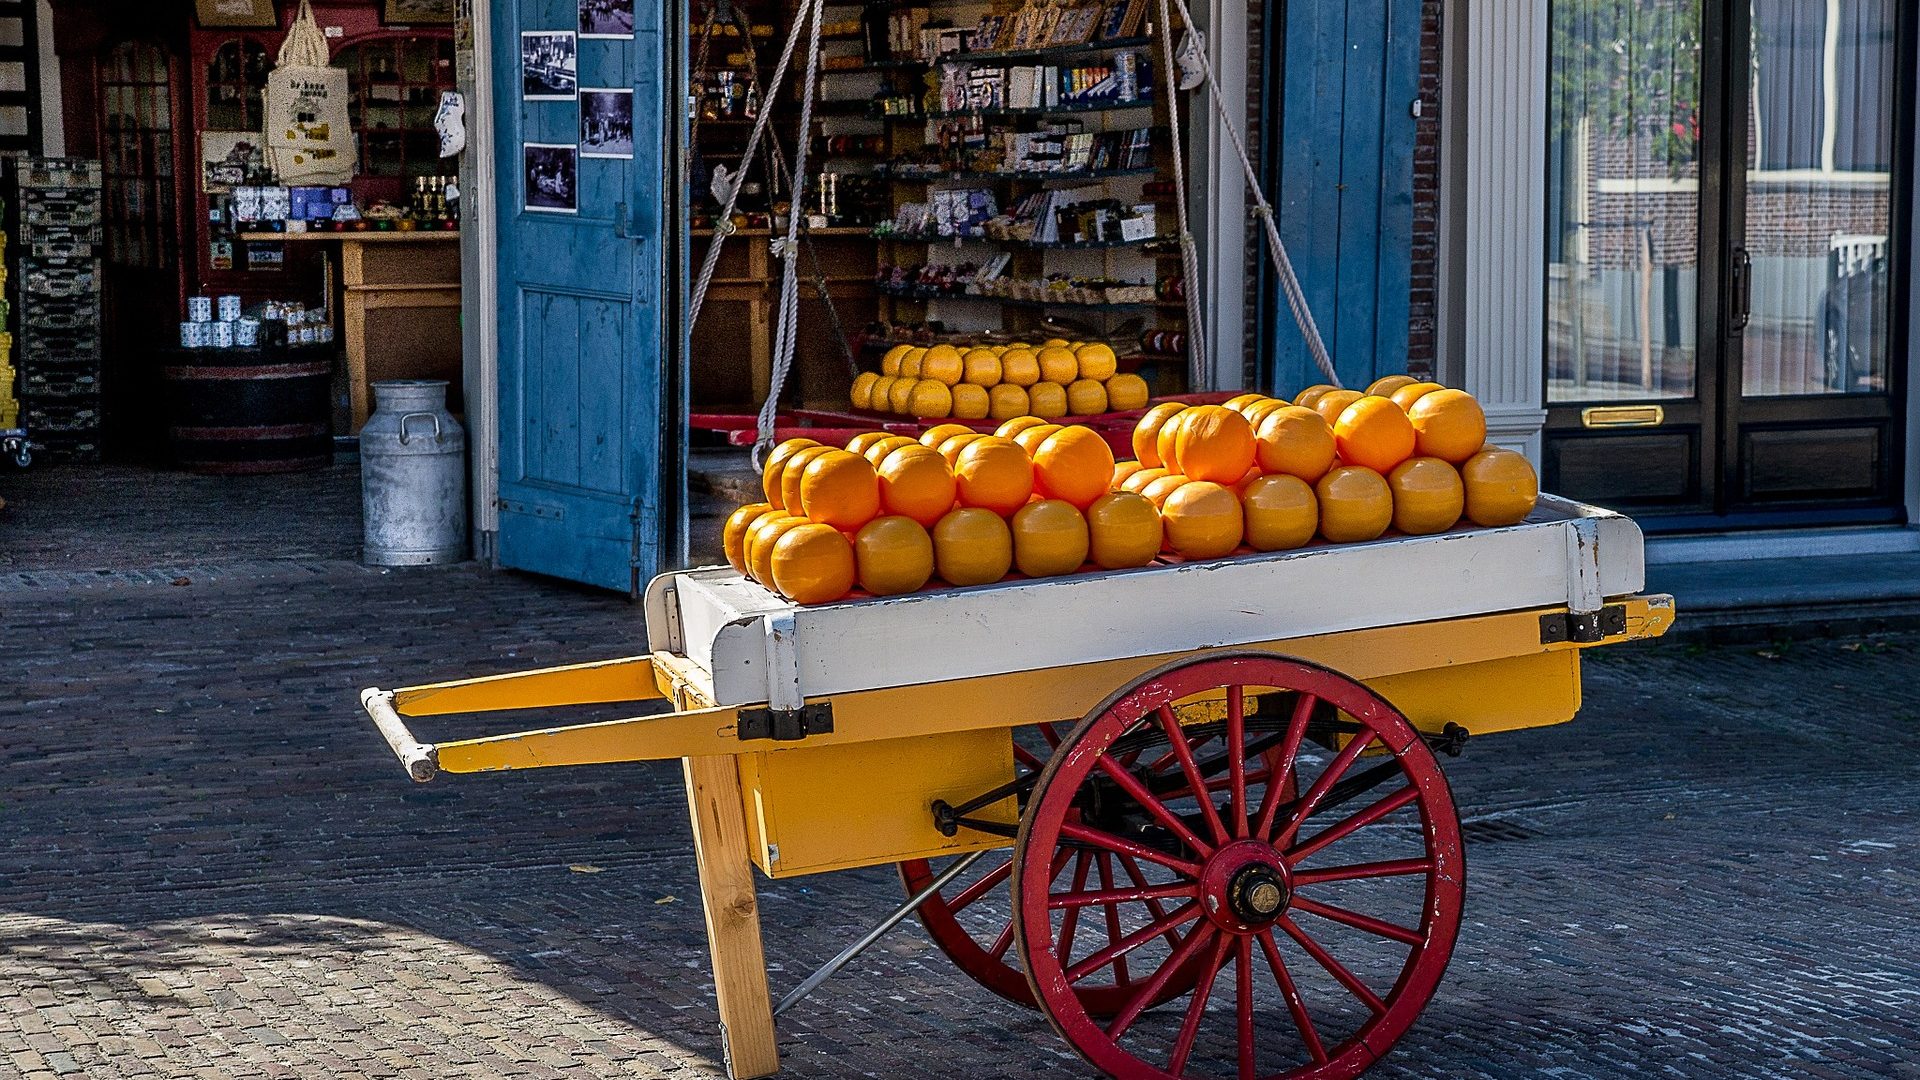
x=714 y=801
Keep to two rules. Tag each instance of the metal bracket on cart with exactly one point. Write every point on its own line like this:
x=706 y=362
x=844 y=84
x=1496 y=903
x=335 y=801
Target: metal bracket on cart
x=1583 y=627
x=786 y=725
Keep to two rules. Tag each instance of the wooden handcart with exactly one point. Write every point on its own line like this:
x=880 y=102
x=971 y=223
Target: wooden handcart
x=1192 y=813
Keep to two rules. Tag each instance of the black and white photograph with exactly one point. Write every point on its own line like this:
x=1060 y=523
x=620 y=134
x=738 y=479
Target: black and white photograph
x=549 y=65
x=606 y=123
x=606 y=18
x=551 y=172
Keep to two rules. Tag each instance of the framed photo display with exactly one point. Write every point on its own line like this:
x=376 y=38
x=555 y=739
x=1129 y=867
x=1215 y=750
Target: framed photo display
x=224 y=14
x=417 y=12
x=606 y=123
x=606 y=18
x=551 y=175
x=549 y=65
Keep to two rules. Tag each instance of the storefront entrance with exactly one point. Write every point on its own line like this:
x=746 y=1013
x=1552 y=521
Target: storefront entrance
x=1724 y=346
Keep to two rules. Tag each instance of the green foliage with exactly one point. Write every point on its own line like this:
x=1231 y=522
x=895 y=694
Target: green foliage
x=1632 y=68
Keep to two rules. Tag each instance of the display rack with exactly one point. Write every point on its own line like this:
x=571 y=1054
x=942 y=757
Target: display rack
x=975 y=313
x=874 y=148
x=56 y=220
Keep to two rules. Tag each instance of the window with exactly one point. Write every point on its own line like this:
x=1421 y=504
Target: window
x=236 y=79
x=136 y=150
x=395 y=85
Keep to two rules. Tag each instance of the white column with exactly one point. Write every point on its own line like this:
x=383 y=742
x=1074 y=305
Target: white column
x=1217 y=187
x=53 y=126
x=479 y=287
x=1498 y=115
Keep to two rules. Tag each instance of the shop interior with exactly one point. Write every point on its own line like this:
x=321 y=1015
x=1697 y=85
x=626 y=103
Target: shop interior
x=978 y=171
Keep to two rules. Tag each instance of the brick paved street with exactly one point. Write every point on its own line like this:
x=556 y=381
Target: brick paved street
x=209 y=865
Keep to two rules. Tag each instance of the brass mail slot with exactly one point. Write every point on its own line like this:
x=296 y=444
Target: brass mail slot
x=1612 y=416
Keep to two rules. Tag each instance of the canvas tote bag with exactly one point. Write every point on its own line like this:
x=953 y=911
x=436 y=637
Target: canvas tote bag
x=309 y=137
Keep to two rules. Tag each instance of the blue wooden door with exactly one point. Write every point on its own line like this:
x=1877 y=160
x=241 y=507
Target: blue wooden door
x=584 y=412
x=1345 y=184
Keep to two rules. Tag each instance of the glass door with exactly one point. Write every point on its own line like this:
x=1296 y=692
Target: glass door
x=1811 y=220
x=1632 y=406
x=1722 y=342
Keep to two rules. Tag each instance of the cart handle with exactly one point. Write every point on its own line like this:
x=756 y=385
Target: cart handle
x=422 y=760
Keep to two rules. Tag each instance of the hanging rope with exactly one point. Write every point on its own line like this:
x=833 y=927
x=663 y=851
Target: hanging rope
x=784 y=339
x=777 y=166
x=1276 y=251
x=1199 y=373
x=700 y=69
x=723 y=225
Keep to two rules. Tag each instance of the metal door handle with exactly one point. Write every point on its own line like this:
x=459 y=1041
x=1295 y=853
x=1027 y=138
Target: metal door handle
x=1740 y=291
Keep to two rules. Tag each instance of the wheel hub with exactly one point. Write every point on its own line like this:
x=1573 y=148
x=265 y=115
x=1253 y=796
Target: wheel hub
x=1245 y=886
x=1258 y=894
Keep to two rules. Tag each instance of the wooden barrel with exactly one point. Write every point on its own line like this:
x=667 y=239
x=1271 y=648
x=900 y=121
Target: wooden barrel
x=235 y=411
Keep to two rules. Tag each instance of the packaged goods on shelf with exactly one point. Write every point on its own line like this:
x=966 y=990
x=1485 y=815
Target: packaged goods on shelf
x=1123 y=78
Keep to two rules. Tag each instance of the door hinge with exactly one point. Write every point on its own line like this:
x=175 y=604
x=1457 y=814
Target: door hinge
x=785 y=725
x=1583 y=627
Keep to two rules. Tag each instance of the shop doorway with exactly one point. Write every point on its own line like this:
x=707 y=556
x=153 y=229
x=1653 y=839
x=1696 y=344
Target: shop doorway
x=588 y=426
x=1725 y=179
x=135 y=85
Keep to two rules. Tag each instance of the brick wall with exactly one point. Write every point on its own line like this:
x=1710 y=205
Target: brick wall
x=1423 y=312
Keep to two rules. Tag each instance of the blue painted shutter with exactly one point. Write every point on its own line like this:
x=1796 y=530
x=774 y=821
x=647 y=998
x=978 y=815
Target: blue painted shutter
x=1352 y=71
x=583 y=412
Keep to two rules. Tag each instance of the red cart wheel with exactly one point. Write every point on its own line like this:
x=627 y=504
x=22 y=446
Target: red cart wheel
x=971 y=919
x=1342 y=928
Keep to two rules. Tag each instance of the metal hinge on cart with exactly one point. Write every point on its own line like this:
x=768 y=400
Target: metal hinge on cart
x=1583 y=627
x=785 y=725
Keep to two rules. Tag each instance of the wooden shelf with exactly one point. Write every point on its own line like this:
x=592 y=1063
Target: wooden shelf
x=1048 y=110
x=1085 y=176
x=831 y=230
x=368 y=235
x=1029 y=245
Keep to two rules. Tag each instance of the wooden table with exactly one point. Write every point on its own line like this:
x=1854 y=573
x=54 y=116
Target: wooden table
x=401 y=307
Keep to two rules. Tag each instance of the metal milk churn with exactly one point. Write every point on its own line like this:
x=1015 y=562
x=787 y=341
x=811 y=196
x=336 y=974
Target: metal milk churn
x=413 y=476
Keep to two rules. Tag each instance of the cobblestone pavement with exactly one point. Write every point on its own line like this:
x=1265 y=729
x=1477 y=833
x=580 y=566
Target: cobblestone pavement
x=210 y=867
x=126 y=518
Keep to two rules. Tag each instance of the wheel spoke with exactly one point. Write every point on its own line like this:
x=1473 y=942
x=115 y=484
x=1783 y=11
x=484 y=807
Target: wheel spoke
x=1150 y=992
x=1052 y=736
x=1131 y=784
x=1283 y=769
x=1236 y=758
x=980 y=888
x=1121 y=845
x=1154 y=907
x=1198 y=783
x=1358 y=921
x=1071 y=921
x=1355 y=823
x=1028 y=758
x=1110 y=897
x=1113 y=914
x=1243 y=1006
x=1335 y=968
x=1393 y=868
x=1002 y=943
x=1304 y=808
x=1168 y=758
x=1197 y=1008
x=1184 y=913
x=1309 y=1034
